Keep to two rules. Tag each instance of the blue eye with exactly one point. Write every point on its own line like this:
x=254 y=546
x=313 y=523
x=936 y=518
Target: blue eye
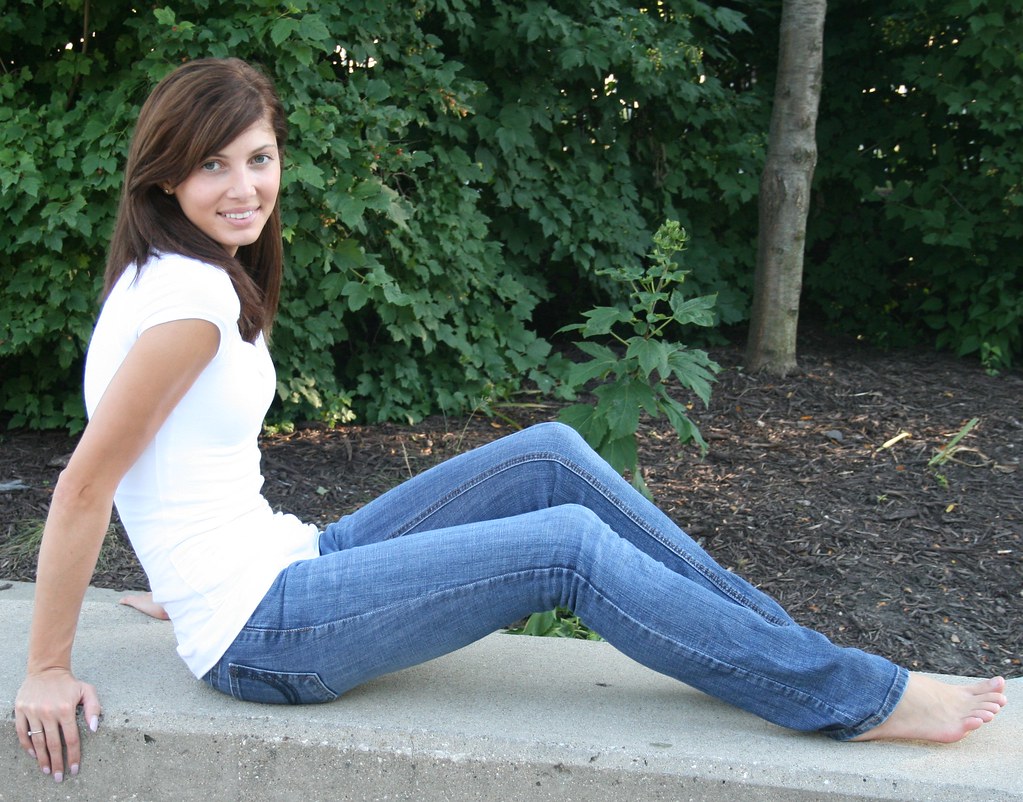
x=262 y=158
x=210 y=167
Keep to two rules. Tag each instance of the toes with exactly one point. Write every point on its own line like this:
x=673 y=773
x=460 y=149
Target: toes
x=996 y=699
x=973 y=723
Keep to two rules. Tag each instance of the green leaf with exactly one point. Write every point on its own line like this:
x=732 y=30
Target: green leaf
x=312 y=28
x=604 y=361
x=621 y=454
x=652 y=355
x=602 y=320
x=694 y=370
x=540 y=624
x=357 y=295
x=620 y=404
x=283 y=29
x=695 y=311
x=585 y=420
x=686 y=430
x=308 y=173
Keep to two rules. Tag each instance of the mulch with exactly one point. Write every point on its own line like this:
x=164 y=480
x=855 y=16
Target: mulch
x=828 y=489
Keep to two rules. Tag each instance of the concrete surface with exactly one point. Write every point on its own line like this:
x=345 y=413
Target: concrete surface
x=508 y=718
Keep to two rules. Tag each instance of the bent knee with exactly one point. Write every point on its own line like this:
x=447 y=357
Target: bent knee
x=576 y=516
x=554 y=436
x=575 y=526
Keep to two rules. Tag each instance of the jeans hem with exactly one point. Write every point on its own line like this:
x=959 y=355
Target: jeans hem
x=893 y=697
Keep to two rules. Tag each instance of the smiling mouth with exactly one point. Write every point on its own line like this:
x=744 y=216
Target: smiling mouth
x=238 y=215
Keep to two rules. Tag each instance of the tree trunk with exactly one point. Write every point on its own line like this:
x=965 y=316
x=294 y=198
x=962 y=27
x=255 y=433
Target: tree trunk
x=785 y=189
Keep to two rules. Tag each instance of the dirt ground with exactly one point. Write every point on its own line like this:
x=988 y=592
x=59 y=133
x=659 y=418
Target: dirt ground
x=818 y=488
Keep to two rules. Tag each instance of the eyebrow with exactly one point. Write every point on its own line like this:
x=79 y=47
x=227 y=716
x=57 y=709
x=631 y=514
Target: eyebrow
x=268 y=146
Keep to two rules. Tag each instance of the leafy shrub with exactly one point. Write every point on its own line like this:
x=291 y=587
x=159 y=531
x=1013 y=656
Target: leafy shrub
x=632 y=378
x=464 y=172
x=395 y=296
x=452 y=165
x=600 y=120
x=915 y=228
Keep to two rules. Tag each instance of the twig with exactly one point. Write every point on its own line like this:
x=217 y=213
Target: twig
x=408 y=465
x=85 y=49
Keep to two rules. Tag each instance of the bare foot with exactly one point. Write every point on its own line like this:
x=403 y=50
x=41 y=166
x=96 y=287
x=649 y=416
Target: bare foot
x=931 y=710
x=144 y=603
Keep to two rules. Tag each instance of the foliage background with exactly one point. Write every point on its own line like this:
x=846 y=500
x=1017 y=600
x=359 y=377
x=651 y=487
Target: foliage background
x=460 y=172
x=918 y=215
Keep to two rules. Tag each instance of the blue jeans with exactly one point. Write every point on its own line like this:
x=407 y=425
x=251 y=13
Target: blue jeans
x=530 y=522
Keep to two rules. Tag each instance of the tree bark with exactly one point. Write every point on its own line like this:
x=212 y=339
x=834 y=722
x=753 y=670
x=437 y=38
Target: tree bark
x=785 y=189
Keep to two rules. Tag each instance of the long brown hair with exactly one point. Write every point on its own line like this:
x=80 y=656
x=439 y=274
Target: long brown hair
x=195 y=111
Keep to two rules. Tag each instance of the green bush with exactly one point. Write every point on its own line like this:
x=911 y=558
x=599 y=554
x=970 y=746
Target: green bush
x=916 y=221
x=453 y=164
x=395 y=293
x=601 y=119
x=463 y=172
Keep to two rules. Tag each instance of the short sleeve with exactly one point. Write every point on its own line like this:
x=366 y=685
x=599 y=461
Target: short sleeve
x=178 y=288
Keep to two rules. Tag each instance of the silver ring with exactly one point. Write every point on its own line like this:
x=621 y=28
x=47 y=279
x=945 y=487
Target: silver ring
x=34 y=732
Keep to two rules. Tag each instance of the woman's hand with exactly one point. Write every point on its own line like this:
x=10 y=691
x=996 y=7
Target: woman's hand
x=45 y=714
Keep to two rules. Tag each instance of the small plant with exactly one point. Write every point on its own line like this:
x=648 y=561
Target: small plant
x=559 y=623
x=946 y=453
x=19 y=548
x=952 y=446
x=633 y=377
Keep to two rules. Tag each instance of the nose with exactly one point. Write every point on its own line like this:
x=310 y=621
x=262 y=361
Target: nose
x=243 y=185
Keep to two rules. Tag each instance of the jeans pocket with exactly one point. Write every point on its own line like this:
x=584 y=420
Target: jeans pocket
x=277 y=687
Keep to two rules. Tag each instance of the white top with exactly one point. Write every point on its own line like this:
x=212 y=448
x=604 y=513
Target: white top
x=191 y=505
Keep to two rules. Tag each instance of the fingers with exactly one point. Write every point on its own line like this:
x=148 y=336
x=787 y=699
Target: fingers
x=26 y=732
x=42 y=740
x=49 y=732
x=46 y=745
x=38 y=740
x=91 y=707
x=55 y=750
x=89 y=701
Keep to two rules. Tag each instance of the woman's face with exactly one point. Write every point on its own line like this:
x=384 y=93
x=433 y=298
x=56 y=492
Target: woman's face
x=231 y=194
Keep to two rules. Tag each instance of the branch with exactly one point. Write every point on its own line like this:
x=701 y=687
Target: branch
x=85 y=49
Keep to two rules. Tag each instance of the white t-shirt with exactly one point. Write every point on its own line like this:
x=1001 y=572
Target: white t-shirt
x=192 y=504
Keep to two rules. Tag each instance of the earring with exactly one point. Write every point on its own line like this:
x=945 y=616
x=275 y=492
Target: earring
x=168 y=191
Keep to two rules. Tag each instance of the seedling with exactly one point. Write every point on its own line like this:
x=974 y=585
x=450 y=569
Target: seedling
x=952 y=446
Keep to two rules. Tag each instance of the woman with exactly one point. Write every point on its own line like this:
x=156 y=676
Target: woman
x=268 y=609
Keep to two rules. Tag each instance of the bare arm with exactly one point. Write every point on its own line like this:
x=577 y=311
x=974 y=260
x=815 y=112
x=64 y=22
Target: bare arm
x=158 y=371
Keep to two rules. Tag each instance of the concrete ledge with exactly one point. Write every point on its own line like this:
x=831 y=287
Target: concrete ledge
x=507 y=718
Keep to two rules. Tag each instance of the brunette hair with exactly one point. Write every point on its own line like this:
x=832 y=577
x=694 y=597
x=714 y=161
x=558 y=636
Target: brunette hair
x=195 y=111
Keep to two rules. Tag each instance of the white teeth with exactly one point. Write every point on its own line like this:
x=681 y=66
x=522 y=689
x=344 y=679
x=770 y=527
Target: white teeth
x=239 y=215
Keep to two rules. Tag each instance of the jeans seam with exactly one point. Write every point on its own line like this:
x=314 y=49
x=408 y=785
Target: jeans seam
x=606 y=493
x=463 y=488
x=658 y=536
x=717 y=665
x=393 y=605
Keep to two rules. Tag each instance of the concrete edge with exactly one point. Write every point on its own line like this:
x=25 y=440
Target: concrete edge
x=506 y=718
